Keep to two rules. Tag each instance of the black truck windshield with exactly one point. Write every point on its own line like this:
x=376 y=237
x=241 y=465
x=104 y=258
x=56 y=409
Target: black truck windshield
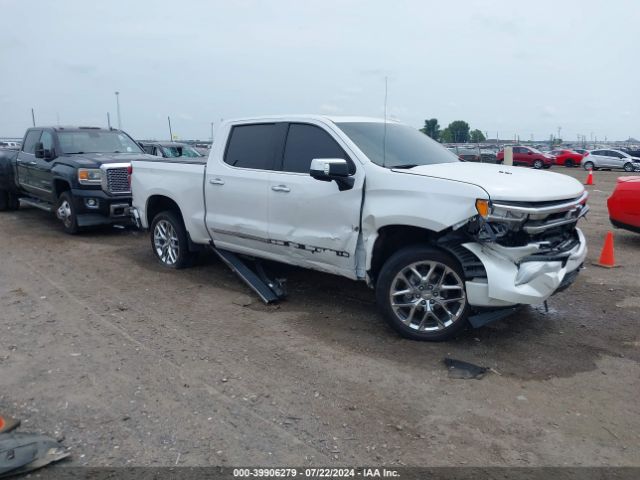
x=400 y=147
x=96 y=141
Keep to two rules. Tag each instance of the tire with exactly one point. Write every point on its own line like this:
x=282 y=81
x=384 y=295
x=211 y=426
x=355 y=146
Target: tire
x=538 y=164
x=569 y=163
x=4 y=200
x=169 y=241
x=13 y=201
x=588 y=165
x=66 y=213
x=423 y=312
x=628 y=167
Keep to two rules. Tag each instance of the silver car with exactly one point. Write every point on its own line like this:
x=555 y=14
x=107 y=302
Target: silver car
x=610 y=159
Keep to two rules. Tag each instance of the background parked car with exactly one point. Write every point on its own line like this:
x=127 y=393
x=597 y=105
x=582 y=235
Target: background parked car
x=581 y=151
x=474 y=154
x=170 y=149
x=610 y=159
x=568 y=158
x=624 y=204
x=528 y=156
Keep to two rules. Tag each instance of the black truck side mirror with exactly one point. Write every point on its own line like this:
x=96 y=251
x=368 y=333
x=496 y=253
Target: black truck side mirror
x=43 y=153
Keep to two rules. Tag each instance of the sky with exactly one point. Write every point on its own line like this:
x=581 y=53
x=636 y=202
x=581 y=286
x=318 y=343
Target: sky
x=506 y=67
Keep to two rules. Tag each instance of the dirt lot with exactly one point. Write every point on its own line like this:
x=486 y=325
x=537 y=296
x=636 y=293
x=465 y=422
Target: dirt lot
x=136 y=365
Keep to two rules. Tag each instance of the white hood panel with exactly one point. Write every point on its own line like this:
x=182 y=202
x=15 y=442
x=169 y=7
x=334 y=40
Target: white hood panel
x=502 y=182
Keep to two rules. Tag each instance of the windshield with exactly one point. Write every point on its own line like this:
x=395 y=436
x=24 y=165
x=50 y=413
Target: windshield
x=97 y=141
x=401 y=146
x=180 y=151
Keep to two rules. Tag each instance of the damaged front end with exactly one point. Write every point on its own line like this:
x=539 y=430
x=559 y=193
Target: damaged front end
x=528 y=250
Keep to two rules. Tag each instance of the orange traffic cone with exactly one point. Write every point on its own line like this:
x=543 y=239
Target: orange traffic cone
x=589 y=178
x=607 y=258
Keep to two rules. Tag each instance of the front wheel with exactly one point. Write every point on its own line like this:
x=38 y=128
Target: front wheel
x=169 y=240
x=422 y=295
x=628 y=167
x=538 y=164
x=66 y=212
x=569 y=163
x=588 y=166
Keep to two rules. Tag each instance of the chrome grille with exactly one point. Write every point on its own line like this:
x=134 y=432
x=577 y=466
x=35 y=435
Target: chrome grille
x=118 y=180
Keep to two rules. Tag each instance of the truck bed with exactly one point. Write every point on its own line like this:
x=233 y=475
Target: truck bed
x=179 y=179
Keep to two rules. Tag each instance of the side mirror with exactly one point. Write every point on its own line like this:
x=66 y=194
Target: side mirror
x=332 y=169
x=39 y=150
x=43 y=153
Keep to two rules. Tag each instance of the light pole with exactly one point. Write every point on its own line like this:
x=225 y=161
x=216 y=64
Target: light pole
x=118 y=109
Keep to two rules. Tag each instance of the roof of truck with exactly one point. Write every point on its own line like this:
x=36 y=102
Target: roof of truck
x=75 y=128
x=330 y=118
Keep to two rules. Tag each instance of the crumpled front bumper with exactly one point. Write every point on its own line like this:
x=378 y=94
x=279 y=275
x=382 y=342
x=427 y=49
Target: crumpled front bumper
x=510 y=281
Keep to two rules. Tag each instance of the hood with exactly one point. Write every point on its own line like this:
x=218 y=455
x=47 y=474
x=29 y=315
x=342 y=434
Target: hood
x=502 y=182
x=90 y=160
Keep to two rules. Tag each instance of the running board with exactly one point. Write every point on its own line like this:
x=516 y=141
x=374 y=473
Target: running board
x=268 y=290
x=32 y=202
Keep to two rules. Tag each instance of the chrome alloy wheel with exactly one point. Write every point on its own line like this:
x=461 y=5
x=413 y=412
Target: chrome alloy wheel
x=64 y=213
x=165 y=242
x=427 y=296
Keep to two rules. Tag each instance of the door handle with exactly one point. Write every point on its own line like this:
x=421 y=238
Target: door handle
x=216 y=181
x=280 y=188
x=32 y=163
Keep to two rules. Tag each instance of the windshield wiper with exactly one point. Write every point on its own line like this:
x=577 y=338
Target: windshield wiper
x=407 y=165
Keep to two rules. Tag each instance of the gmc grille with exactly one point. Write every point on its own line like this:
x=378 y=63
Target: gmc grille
x=118 y=180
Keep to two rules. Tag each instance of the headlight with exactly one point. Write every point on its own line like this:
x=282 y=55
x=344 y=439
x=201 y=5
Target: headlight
x=89 y=176
x=483 y=207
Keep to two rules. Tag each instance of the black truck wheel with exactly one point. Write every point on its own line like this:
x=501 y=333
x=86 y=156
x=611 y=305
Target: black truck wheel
x=421 y=292
x=169 y=240
x=4 y=200
x=66 y=212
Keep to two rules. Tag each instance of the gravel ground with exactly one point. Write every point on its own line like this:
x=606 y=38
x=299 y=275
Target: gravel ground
x=135 y=365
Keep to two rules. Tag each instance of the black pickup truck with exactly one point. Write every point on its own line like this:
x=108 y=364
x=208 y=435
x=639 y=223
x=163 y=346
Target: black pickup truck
x=80 y=173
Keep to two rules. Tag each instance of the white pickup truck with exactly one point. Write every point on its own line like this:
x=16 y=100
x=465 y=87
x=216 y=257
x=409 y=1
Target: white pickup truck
x=443 y=242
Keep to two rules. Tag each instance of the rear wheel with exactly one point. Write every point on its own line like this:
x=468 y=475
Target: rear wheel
x=628 y=167
x=569 y=163
x=169 y=240
x=538 y=164
x=66 y=212
x=588 y=165
x=422 y=295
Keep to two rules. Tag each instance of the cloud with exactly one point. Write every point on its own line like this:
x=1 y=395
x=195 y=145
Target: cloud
x=330 y=108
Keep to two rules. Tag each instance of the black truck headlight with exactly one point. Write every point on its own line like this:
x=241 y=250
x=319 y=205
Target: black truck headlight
x=89 y=176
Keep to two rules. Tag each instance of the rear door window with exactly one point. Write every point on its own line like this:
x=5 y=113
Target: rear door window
x=33 y=136
x=252 y=146
x=306 y=142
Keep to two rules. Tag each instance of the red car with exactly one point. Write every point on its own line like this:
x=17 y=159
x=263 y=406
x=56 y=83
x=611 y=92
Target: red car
x=528 y=156
x=568 y=158
x=624 y=204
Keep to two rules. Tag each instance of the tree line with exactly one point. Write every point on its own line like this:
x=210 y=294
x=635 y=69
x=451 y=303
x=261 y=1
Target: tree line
x=458 y=131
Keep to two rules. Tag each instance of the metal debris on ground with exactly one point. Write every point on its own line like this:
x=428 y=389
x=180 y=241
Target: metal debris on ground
x=24 y=452
x=464 y=370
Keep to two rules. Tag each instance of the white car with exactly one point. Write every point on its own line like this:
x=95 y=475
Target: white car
x=441 y=241
x=610 y=159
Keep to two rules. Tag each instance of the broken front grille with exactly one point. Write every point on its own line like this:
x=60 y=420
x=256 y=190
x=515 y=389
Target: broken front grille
x=519 y=223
